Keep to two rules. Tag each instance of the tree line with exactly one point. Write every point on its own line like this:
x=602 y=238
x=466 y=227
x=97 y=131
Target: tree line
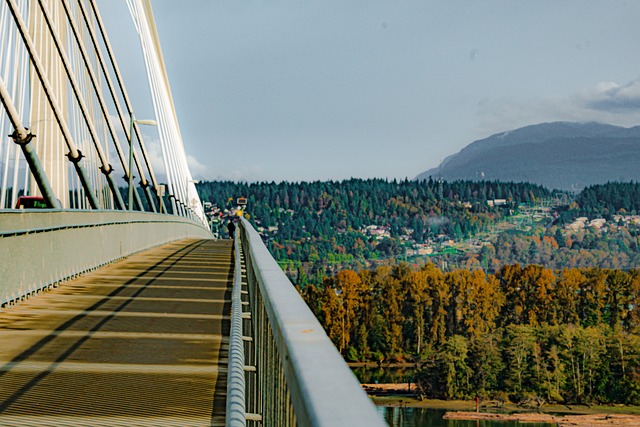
x=320 y=224
x=610 y=247
x=604 y=201
x=328 y=208
x=568 y=335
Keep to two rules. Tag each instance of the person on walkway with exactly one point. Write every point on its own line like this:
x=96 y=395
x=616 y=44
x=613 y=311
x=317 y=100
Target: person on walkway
x=231 y=228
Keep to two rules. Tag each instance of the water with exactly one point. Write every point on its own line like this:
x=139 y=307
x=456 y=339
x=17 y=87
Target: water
x=422 y=417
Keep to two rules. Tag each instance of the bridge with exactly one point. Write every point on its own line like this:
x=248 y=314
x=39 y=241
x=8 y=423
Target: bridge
x=118 y=307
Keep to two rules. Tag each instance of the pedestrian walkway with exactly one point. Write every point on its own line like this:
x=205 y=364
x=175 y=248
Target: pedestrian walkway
x=140 y=342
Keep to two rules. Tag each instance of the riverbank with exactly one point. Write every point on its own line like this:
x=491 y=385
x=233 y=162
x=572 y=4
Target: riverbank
x=507 y=408
x=409 y=389
x=383 y=365
x=560 y=420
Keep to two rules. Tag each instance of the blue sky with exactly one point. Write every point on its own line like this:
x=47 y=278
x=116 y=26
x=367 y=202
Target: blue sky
x=291 y=90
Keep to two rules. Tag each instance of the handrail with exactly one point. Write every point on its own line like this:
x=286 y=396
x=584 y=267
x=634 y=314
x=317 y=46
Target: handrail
x=21 y=232
x=236 y=408
x=46 y=247
x=302 y=379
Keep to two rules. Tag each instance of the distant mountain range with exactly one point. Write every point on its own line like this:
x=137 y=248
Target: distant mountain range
x=561 y=155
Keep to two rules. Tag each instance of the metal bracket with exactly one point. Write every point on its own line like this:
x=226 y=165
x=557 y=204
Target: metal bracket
x=106 y=169
x=21 y=141
x=77 y=159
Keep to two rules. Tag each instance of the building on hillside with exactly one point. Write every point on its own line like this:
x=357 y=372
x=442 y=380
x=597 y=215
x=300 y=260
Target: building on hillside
x=577 y=224
x=378 y=231
x=497 y=202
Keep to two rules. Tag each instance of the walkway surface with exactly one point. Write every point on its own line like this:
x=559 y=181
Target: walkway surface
x=140 y=342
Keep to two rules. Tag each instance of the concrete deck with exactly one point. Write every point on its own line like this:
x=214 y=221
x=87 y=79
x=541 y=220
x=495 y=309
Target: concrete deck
x=140 y=342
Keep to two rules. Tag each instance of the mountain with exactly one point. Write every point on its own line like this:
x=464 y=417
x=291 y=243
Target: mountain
x=562 y=155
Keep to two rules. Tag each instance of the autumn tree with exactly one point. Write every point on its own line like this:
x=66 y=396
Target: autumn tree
x=567 y=292
x=592 y=297
x=439 y=296
x=418 y=301
x=476 y=300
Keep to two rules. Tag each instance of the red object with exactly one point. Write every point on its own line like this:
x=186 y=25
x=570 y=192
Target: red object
x=31 y=202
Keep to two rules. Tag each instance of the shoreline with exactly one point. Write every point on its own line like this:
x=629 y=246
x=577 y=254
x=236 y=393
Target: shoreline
x=400 y=395
x=560 y=420
x=382 y=365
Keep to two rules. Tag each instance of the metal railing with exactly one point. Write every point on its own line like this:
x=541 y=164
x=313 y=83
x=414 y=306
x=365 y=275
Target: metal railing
x=236 y=415
x=42 y=248
x=290 y=370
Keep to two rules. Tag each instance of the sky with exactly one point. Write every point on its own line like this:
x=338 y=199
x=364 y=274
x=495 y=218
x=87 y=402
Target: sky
x=333 y=89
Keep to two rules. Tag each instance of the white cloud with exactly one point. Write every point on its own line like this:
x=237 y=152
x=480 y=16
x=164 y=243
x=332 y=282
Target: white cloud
x=614 y=97
x=246 y=173
x=197 y=169
x=154 y=153
x=605 y=102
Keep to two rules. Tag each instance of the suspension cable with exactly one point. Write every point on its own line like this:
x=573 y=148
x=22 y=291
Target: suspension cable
x=23 y=138
x=116 y=70
x=74 y=154
x=105 y=167
x=164 y=106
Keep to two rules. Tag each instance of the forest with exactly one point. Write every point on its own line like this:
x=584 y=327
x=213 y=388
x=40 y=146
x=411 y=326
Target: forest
x=326 y=208
x=609 y=247
x=546 y=311
x=606 y=200
x=319 y=226
x=568 y=336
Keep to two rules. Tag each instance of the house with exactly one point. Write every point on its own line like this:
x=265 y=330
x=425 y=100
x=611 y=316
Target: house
x=377 y=231
x=578 y=224
x=497 y=202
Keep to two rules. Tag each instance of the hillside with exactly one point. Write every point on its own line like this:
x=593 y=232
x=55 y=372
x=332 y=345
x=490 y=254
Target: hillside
x=325 y=226
x=561 y=155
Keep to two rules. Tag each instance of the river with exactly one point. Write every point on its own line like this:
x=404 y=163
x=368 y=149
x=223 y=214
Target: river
x=423 y=417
